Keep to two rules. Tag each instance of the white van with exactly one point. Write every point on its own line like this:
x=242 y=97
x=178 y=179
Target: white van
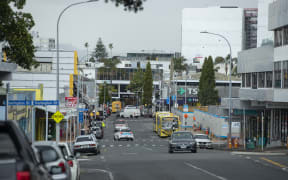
x=130 y=112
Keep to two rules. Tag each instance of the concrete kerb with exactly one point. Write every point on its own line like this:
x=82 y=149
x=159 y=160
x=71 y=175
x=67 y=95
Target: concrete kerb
x=259 y=153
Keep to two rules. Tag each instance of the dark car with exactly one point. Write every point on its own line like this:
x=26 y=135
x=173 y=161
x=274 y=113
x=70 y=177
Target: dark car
x=182 y=141
x=97 y=131
x=17 y=158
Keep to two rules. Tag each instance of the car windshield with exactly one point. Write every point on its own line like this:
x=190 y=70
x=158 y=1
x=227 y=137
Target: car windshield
x=125 y=130
x=183 y=135
x=47 y=153
x=83 y=139
x=201 y=137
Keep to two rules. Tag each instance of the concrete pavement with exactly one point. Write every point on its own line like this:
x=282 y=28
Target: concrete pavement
x=147 y=157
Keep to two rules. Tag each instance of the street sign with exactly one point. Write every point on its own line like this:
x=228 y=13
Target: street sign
x=80 y=117
x=91 y=114
x=70 y=101
x=185 y=108
x=20 y=103
x=58 y=116
x=181 y=91
x=167 y=101
x=46 y=103
x=82 y=109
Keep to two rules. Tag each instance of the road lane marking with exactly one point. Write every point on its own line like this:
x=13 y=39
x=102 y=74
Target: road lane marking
x=111 y=145
x=111 y=177
x=83 y=159
x=153 y=145
x=128 y=145
x=120 y=145
x=205 y=171
x=273 y=162
x=103 y=146
x=149 y=149
x=136 y=144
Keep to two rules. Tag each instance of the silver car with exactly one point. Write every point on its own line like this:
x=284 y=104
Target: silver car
x=51 y=156
x=71 y=159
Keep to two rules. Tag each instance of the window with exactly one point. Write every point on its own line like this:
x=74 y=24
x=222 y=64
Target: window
x=277 y=74
x=268 y=79
x=254 y=80
x=285 y=36
x=248 y=80
x=285 y=74
x=261 y=79
x=127 y=65
x=243 y=80
x=278 y=38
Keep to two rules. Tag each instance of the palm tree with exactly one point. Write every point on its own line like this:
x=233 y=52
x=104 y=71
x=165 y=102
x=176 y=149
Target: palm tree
x=110 y=47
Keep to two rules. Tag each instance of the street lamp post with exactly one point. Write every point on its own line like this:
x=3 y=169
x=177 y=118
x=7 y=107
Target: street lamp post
x=57 y=72
x=230 y=83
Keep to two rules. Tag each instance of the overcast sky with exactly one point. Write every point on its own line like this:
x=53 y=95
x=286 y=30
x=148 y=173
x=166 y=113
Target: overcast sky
x=157 y=27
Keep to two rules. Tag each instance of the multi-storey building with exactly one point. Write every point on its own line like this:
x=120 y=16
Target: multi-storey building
x=264 y=70
x=250 y=28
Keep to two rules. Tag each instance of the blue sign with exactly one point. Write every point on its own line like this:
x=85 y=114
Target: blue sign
x=46 y=103
x=174 y=98
x=167 y=101
x=20 y=103
x=80 y=117
x=82 y=109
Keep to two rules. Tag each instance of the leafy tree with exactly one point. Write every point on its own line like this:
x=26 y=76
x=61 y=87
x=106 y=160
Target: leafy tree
x=104 y=92
x=207 y=93
x=110 y=47
x=14 y=33
x=148 y=85
x=100 y=52
x=219 y=60
x=179 y=64
x=92 y=60
x=129 y=5
x=136 y=84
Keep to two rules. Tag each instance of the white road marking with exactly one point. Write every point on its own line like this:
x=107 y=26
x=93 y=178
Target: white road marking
x=136 y=144
x=111 y=145
x=247 y=157
x=153 y=145
x=120 y=145
x=128 y=145
x=149 y=149
x=103 y=146
x=83 y=159
x=111 y=177
x=205 y=171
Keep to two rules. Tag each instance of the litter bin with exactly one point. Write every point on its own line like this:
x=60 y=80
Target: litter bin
x=250 y=144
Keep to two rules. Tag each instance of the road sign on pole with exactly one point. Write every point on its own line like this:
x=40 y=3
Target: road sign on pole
x=46 y=103
x=20 y=103
x=58 y=116
x=80 y=117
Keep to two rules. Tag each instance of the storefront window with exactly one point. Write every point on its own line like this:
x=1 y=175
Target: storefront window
x=277 y=74
x=261 y=79
x=254 y=80
x=285 y=74
x=243 y=80
x=248 y=79
x=268 y=79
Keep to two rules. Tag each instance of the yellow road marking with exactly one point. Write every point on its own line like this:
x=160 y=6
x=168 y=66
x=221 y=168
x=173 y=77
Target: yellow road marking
x=273 y=162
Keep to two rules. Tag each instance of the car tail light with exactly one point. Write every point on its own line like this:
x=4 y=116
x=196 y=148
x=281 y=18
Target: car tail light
x=92 y=144
x=77 y=146
x=70 y=162
x=62 y=165
x=121 y=132
x=23 y=175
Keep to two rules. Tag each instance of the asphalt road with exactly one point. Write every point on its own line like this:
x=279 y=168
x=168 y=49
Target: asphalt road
x=147 y=158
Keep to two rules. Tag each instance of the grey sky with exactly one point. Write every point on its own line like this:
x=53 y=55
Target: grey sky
x=158 y=27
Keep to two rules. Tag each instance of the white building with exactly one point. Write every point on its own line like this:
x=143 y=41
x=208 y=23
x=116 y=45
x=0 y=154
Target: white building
x=225 y=21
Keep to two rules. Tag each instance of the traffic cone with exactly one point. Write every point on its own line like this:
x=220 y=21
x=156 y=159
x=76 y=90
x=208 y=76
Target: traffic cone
x=229 y=143
x=236 y=143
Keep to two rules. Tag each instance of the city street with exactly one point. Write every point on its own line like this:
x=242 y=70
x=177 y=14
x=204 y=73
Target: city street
x=147 y=157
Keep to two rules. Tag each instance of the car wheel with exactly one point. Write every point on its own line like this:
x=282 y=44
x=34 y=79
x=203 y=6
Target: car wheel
x=131 y=116
x=99 y=152
x=194 y=151
x=132 y=139
x=170 y=151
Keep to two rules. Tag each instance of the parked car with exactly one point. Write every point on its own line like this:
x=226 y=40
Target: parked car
x=97 y=131
x=17 y=158
x=86 y=144
x=53 y=159
x=126 y=134
x=71 y=159
x=203 y=141
x=182 y=141
x=130 y=112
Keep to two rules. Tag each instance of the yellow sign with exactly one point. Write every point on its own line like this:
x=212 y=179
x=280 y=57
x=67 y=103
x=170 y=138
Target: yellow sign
x=91 y=114
x=58 y=116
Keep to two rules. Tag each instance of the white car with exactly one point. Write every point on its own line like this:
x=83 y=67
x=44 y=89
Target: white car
x=72 y=161
x=130 y=112
x=86 y=144
x=124 y=134
x=120 y=124
x=203 y=141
